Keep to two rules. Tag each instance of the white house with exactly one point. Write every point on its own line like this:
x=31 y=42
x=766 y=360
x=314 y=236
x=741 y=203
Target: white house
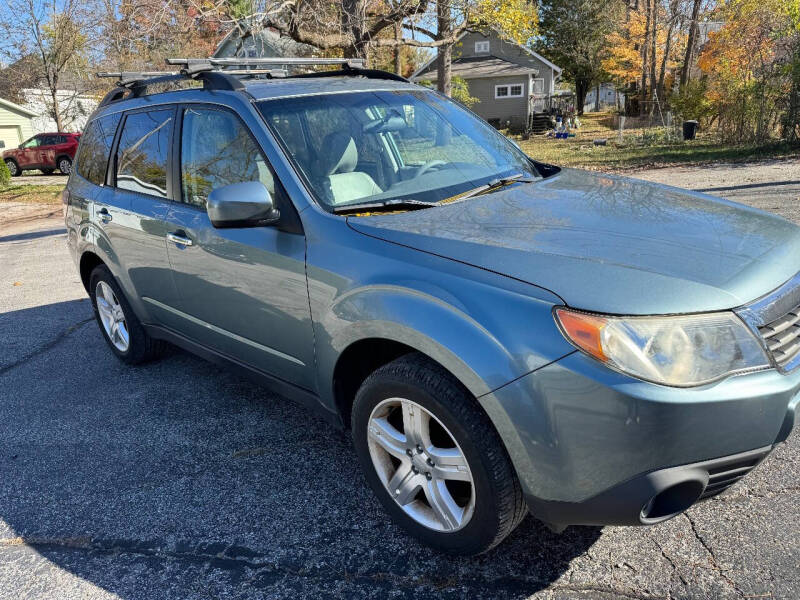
x=75 y=109
x=609 y=98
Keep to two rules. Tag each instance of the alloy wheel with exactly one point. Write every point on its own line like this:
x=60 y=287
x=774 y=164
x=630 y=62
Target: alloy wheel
x=112 y=317
x=421 y=465
x=12 y=167
x=64 y=166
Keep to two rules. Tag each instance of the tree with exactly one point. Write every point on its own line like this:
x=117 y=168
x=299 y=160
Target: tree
x=574 y=34
x=749 y=67
x=51 y=38
x=691 y=43
x=140 y=34
x=644 y=51
x=516 y=20
x=350 y=27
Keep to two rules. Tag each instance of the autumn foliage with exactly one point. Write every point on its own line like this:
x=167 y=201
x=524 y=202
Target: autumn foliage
x=750 y=67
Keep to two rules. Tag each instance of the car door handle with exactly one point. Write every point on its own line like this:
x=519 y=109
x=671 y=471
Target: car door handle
x=179 y=239
x=105 y=216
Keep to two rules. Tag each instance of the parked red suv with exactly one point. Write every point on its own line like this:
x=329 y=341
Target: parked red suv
x=46 y=152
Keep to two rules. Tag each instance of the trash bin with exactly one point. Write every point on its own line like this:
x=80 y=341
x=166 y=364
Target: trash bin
x=689 y=130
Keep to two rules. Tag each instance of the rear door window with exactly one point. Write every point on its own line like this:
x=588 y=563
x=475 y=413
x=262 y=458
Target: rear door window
x=95 y=147
x=143 y=152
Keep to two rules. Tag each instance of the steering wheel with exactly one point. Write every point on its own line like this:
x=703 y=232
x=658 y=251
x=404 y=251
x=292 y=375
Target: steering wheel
x=431 y=164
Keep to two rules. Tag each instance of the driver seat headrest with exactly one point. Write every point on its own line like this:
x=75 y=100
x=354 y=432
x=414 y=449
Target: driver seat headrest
x=340 y=153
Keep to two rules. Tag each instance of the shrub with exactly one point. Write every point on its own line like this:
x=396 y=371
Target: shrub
x=459 y=90
x=5 y=176
x=692 y=103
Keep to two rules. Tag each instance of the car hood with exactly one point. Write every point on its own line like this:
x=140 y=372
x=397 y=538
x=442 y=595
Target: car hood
x=609 y=244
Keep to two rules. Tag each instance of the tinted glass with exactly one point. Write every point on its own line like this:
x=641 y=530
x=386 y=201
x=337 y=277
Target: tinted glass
x=92 y=156
x=378 y=146
x=143 y=151
x=218 y=150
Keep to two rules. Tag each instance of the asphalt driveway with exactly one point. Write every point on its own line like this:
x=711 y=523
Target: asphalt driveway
x=177 y=480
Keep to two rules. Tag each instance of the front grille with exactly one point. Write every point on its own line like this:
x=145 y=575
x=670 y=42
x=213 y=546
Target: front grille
x=782 y=337
x=723 y=473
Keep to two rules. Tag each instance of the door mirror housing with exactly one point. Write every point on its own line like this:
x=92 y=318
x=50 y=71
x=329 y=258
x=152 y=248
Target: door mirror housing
x=246 y=204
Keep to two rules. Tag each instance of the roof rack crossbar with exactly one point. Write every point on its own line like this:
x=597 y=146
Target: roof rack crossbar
x=133 y=74
x=353 y=63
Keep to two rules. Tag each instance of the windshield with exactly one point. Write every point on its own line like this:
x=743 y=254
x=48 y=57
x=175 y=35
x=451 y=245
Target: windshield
x=385 y=147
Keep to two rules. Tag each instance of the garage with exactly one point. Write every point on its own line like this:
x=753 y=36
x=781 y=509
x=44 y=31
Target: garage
x=16 y=124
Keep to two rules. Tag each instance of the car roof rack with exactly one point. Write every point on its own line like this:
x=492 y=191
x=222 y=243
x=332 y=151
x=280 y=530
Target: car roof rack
x=188 y=63
x=225 y=73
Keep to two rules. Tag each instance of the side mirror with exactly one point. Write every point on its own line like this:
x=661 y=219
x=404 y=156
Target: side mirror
x=247 y=204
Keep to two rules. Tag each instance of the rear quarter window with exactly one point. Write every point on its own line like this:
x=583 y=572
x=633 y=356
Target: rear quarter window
x=95 y=146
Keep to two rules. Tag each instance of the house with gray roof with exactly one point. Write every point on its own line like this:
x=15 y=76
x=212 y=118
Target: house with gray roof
x=244 y=41
x=511 y=82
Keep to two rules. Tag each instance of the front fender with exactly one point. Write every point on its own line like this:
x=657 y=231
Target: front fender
x=484 y=328
x=424 y=322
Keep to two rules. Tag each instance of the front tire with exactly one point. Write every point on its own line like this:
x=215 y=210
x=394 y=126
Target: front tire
x=13 y=168
x=434 y=459
x=120 y=327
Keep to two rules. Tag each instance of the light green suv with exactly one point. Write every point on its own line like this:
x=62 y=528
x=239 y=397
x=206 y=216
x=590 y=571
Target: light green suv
x=501 y=336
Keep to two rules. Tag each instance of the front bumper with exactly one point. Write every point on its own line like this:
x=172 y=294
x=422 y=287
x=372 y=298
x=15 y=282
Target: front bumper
x=596 y=447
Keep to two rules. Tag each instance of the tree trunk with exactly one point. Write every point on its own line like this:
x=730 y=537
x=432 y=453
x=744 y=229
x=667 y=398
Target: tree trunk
x=56 y=110
x=398 y=57
x=645 y=51
x=597 y=99
x=663 y=72
x=653 y=53
x=690 y=44
x=445 y=52
x=354 y=23
x=581 y=90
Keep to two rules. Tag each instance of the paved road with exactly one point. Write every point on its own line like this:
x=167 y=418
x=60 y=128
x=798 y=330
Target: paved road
x=38 y=178
x=178 y=481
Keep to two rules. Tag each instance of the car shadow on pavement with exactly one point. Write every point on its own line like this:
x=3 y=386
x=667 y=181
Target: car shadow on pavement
x=176 y=479
x=32 y=235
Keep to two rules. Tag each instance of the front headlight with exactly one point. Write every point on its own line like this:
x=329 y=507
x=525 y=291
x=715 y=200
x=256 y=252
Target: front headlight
x=683 y=351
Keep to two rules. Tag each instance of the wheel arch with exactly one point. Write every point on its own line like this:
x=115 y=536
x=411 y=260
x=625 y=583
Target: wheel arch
x=356 y=363
x=88 y=262
x=390 y=324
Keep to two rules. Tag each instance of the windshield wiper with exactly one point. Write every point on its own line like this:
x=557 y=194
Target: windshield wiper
x=495 y=184
x=411 y=204
x=398 y=203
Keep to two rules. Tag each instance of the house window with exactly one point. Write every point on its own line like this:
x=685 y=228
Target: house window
x=513 y=90
x=482 y=47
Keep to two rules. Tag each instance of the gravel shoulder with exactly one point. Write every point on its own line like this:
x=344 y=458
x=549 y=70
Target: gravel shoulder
x=772 y=185
x=178 y=480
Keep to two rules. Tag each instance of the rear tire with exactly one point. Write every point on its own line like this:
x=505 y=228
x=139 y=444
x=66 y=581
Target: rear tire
x=121 y=329
x=13 y=168
x=65 y=165
x=416 y=386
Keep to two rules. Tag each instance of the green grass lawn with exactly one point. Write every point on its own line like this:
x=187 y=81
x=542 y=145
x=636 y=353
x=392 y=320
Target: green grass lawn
x=632 y=154
x=41 y=194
